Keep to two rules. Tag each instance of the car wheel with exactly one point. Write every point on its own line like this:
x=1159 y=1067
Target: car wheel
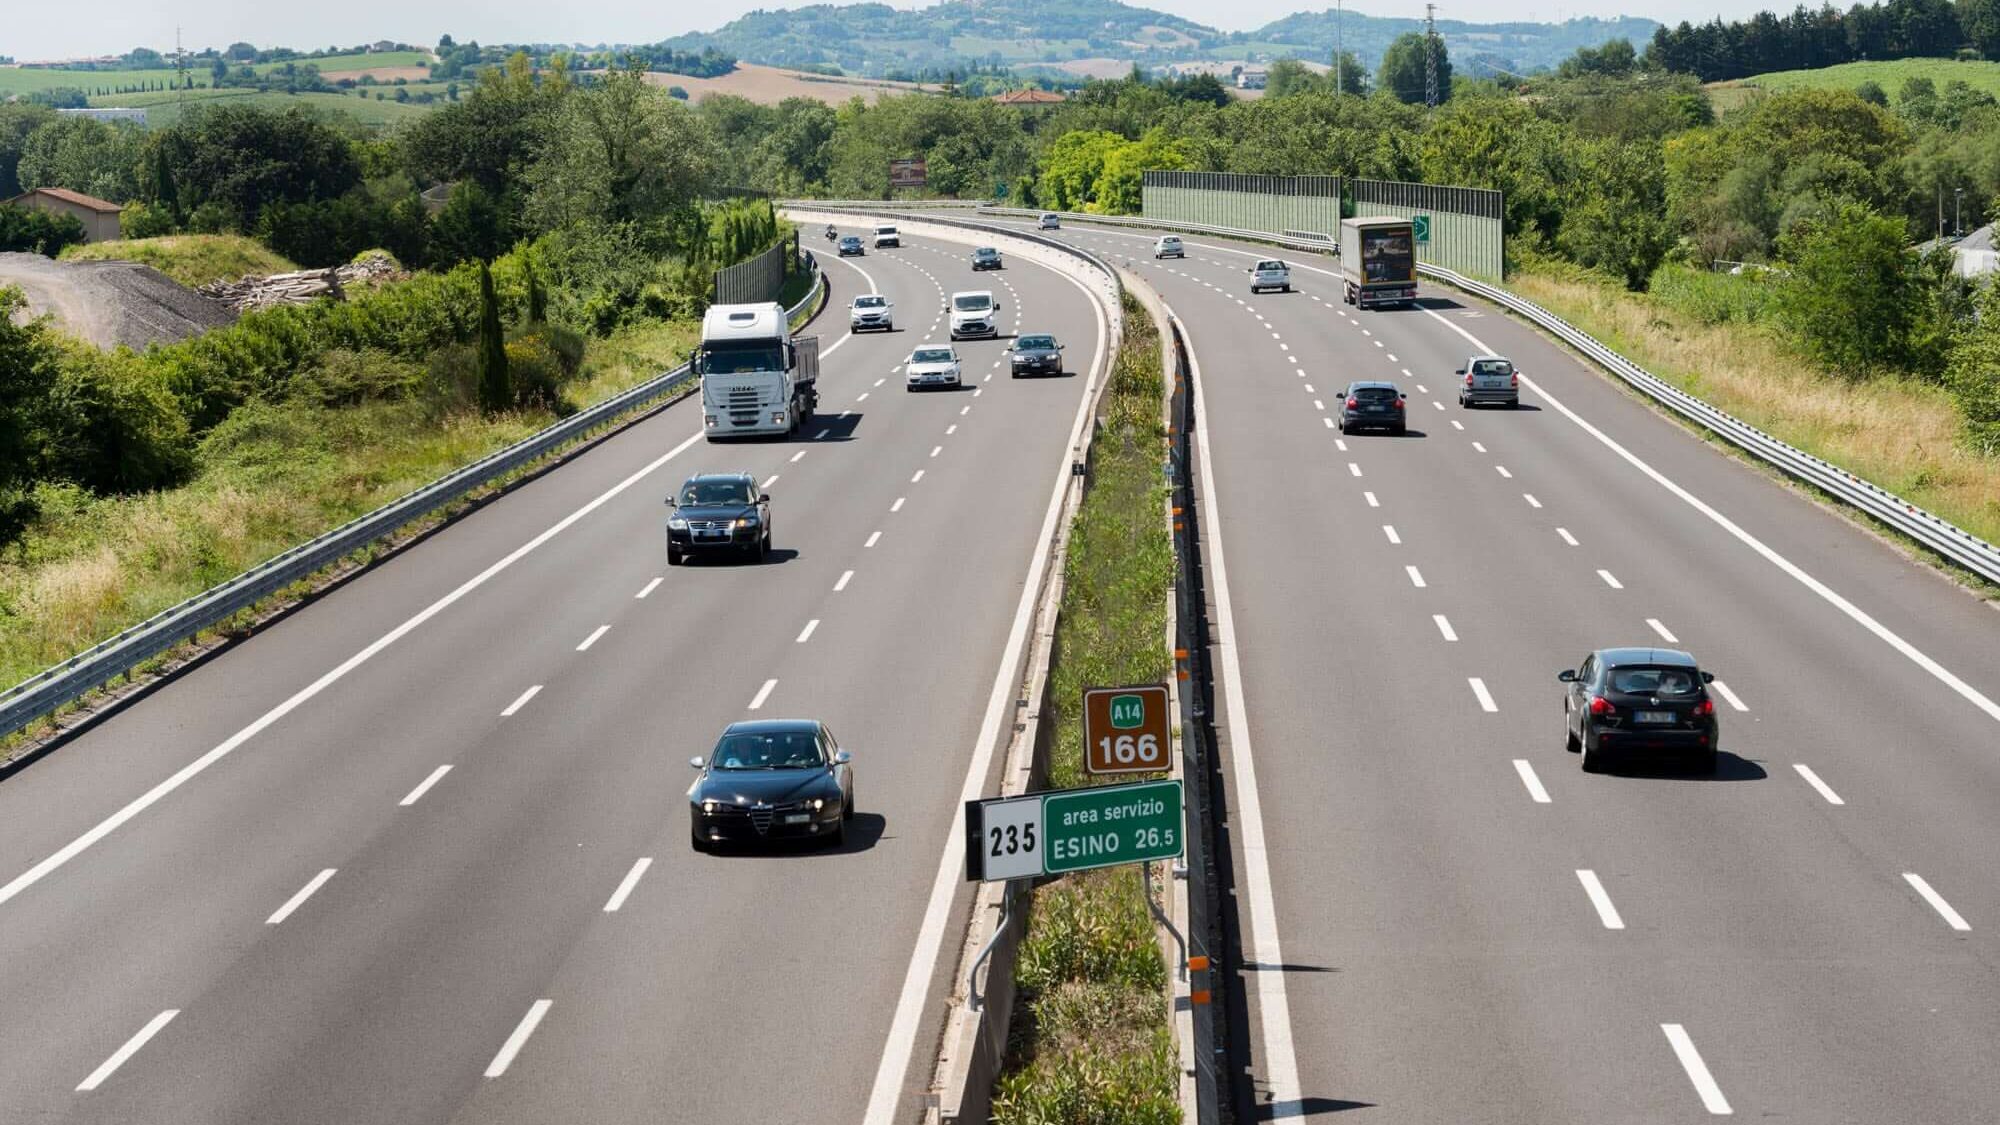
x=1284 y=289
x=1400 y=430
x=1570 y=742
x=847 y=808
x=1708 y=762
x=674 y=558
x=1593 y=759
x=839 y=837
x=695 y=841
x=1513 y=404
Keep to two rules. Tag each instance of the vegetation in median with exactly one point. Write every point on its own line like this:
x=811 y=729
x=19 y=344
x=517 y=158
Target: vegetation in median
x=1090 y=1041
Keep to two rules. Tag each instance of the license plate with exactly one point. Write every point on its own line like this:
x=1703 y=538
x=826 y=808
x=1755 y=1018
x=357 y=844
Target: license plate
x=1652 y=716
x=796 y=818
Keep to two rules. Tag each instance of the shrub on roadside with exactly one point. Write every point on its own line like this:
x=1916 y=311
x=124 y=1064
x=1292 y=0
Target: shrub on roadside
x=1714 y=298
x=112 y=425
x=1974 y=375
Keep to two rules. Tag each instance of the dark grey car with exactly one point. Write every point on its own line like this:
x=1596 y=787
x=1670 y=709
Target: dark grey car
x=772 y=780
x=1036 y=355
x=1378 y=406
x=722 y=512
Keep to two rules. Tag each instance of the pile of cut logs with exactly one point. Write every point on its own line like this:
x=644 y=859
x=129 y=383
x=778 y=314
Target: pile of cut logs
x=253 y=292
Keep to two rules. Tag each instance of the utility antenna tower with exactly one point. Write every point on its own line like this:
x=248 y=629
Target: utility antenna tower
x=1338 y=42
x=1430 y=56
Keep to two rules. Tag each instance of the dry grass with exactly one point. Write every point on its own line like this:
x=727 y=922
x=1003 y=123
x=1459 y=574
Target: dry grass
x=769 y=85
x=191 y=259
x=1899 y=434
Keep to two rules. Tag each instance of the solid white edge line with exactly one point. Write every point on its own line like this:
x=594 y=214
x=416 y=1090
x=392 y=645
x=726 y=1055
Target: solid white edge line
x=1728 y=695
x=424 y=786
x=806 y=633
x=519 y=1039
x=1665 y=633
x=1813 y=780
x=110 y=1066
x=1951 y=917
x=1697 y=1070
x=521 y=700
x=900 y=1042
x=649 y=587
x=763 y=693
x=1854 y=613
x=592 y=638
x=297 y=900
x=1533 y=781
x=1485 y=697
x=1444 y=627
x=180 y=777
x=1599 y=898
x=626 y=884
x=1274 y=1015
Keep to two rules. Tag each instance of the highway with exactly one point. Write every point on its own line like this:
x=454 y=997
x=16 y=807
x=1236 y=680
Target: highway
x=418 y=851
x=1444 y=919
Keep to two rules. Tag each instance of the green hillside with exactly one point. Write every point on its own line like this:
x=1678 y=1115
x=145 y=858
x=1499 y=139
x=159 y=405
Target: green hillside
x=163 y=108
x=1890 y=75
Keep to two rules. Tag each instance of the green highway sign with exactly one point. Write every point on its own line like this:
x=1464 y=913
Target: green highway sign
x=1422 y=225
x=1072 y=830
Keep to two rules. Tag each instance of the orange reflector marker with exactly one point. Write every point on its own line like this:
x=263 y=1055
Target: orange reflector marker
x=1197 y=964
x=1198 y=996
x=1180 y=654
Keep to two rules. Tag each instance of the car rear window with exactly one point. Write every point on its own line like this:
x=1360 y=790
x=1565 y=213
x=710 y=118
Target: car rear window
x=1170 y=240
x=1654 y=681
x=1266 y=266
x=1375 y=394
x=1492 y=367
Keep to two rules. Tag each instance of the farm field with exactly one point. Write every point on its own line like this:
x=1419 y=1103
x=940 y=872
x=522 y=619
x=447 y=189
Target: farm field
x=386 y=66
x=1889 y=74
x=164 y=107
x=769 y=85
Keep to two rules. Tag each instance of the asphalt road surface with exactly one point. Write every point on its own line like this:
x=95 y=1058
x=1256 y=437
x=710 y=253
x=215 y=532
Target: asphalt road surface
x=418 y=852
x=1448 y=921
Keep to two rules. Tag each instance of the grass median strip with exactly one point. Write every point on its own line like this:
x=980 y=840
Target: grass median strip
x=1090 y=1040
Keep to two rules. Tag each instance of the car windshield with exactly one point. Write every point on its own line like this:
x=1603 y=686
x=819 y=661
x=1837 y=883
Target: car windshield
x=931 y=355
x=867 y=302
x=979 y=303
x=1654 y=681
x=850 y=240
x=986 y=252
x=1035 y=343
x=780 y=750
x=1492 y=367
x=705 y=493
x=885 y=230
x=738 y=358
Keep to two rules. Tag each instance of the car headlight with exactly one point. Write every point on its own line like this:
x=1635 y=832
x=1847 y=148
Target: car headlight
x=816 y=804
x=677 y=524
x=747 y=521
x=709 y=806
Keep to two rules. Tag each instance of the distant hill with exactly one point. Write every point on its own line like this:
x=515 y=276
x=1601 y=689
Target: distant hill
x=875 y=39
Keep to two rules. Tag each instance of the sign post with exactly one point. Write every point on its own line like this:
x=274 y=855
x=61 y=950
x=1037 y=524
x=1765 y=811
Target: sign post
x=1073 y=830
x=1421 y=225
x=1125 y=730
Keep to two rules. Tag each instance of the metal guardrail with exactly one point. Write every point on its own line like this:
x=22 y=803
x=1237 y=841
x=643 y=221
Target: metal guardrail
x=98 y=665
x=1935 y=533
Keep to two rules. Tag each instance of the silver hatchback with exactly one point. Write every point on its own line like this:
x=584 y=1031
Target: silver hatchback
x=1489 y=378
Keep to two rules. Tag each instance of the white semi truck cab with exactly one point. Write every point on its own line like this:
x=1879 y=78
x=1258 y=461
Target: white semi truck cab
x=756 y=378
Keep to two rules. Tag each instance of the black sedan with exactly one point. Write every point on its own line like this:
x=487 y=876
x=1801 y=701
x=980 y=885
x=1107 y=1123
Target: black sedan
x=772 y=779
x=1373 y=406
x=851 y=245
x=1035 y=355
x=1639 y=704
x=719 y=512
x=986 y=258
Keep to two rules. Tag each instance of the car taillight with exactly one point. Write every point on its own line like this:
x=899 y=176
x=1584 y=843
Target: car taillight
x=1513 y=380
x=1354 y=404
x=1704 y=709
x=1398 y=403
x=1468 y=378
x=1601 y=706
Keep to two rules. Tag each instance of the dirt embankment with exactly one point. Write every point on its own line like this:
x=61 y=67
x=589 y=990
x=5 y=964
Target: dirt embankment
x=111 y=303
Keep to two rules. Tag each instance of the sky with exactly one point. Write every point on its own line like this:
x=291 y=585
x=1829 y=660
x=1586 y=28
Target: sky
x=39 y=30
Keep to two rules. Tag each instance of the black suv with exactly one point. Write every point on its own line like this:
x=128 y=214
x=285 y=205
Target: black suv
x=1036 y=355
x=986 y=258
x=719 y=512
x=1379 y=405
x=1639 y=703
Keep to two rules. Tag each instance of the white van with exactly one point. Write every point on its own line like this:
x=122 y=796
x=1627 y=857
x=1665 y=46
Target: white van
x=885 y=235
x=974 y=313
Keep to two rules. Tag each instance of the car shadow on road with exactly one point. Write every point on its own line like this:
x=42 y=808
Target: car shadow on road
x=864 y=831
x=719 y=557
x=1435 y=303
x=1728 y=767
x=1032 y=375
x=1522 y=408
x=830 y=427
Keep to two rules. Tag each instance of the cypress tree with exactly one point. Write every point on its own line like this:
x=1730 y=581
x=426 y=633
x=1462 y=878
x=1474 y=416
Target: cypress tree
x=496 y=390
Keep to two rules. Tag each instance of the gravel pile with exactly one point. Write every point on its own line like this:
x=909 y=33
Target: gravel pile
x=112 y=303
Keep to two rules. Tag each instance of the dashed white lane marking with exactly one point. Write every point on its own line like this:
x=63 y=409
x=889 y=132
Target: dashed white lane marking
x=936 y=449
x=649 y=587
x=964 y=410
x=1665 y=634
x=525 y=696
x=918 y=477
x=1353 y=469
x=1813 y=780
x=1378 y=343
x=1328 y=421
x=796 y=456
x=1370 y=497
x=1365 y=332
x=1566 y=536
x=1610 y=580
x=519 y=1039
x=897 y=506
x=110 y=1066
x=873 y=538
x=770 y=480
x=1457 y=425
x=1606 y=913
x=1697 y=1070
x=1318 y=405
x=885 y=378
x=1503 y=471
x=1480 y=446
x=1437 y=404
x=298 y=900
x=1729 y=695
x=864 y=396
x=1530 y=498
x=1407 y=375
x=1392 y=358
x=1444 y=627
x=845 y=576
x=951 y=429
x=1416 y=576
x=1485 y=697
x=1390 y=531
x=1534 y=783
x=763 y=693
x=592 y=638
x=626 y=884
x=1309 y=387
x=1340 y=444
x=821 y=436
x=424 y=786
x=806 y=633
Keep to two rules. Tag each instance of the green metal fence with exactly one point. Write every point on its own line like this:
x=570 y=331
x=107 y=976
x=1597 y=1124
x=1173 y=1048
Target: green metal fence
x=1466 y=225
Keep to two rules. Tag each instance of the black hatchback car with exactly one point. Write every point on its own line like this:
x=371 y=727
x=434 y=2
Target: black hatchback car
x=851 y=244
x=1639 y=704
x=773 y=779
x=986 y=258
x=1035 y=355
x=1373 y=406
x=719 y=512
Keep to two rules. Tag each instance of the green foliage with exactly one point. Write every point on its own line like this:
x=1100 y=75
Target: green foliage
x=620 y=151
x=145 y=220
x=496 y=389
x=1973 y=375
x=1094 y=929
x=37 y=231
x=112 y=424
x=17 y=122
x=1090 y=1086
x=1849 y=297
x=233 y=161
x=1715 y=298
x=1404 y=73
x=99 y=158
x=329 y=232
x=28 y=369
x=1616 y=221
x=1616 y=58
x=192 y=259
